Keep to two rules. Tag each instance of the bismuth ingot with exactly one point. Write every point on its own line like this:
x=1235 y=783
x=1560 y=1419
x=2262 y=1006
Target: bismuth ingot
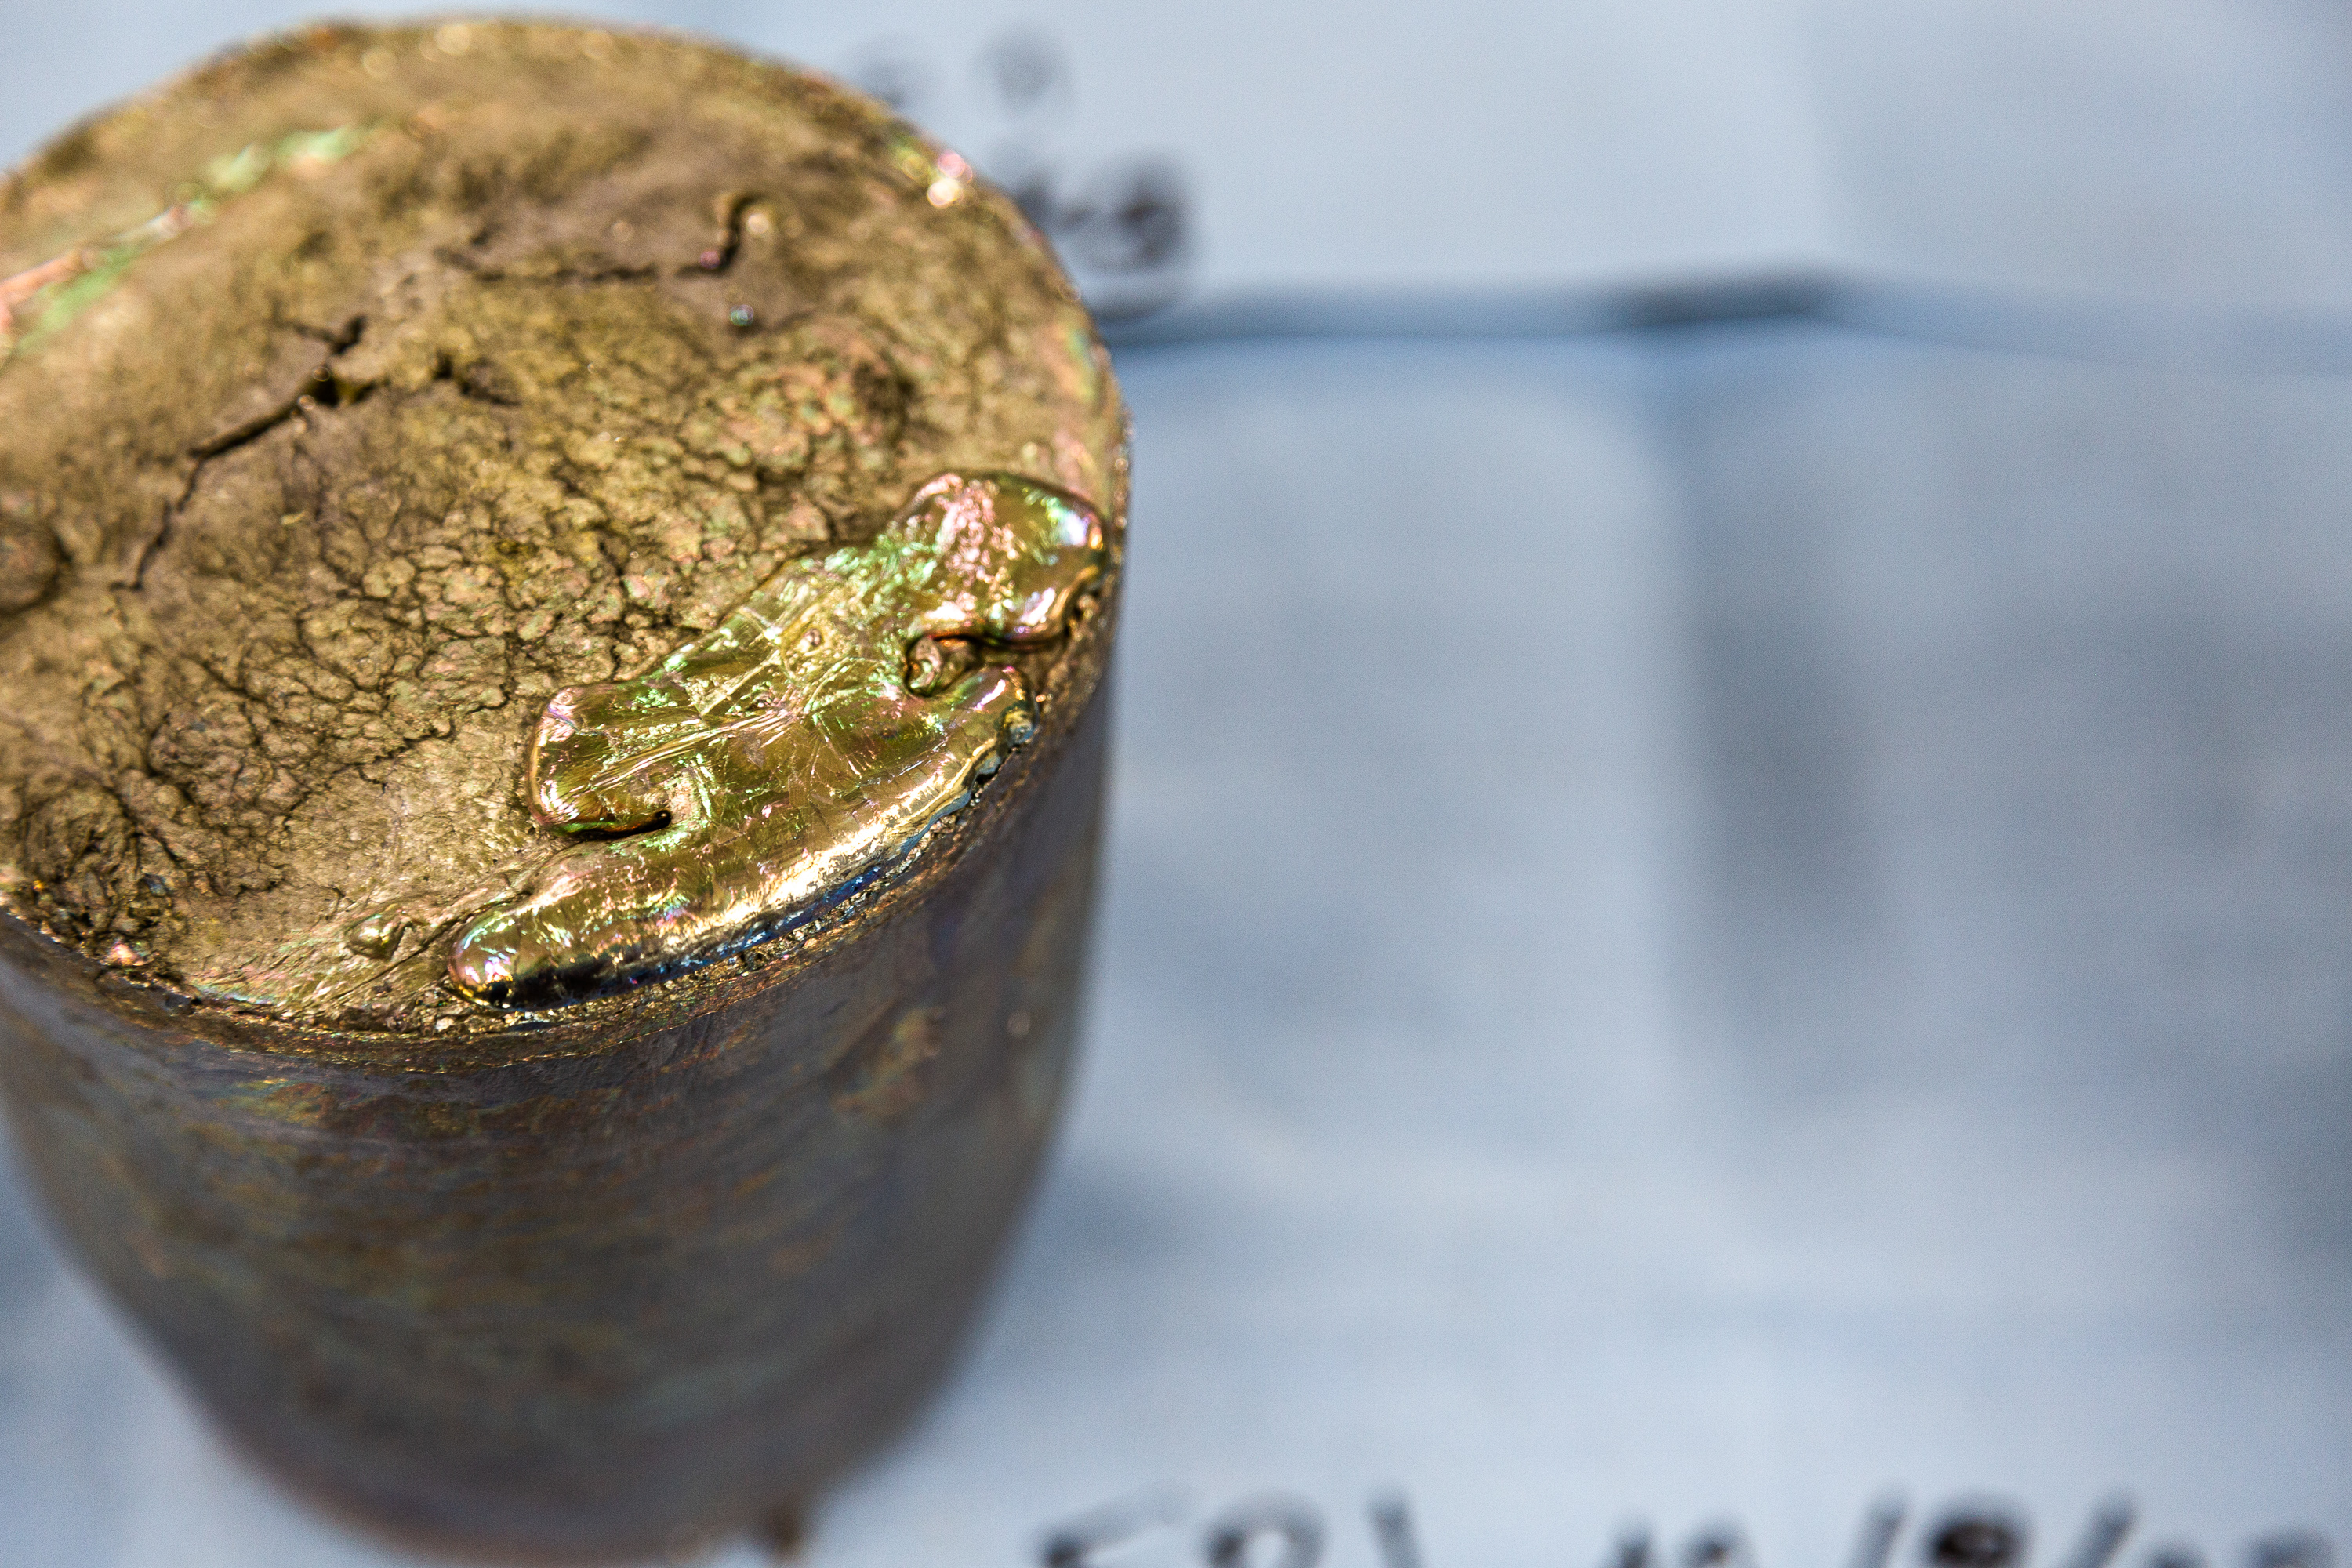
x=554 y=588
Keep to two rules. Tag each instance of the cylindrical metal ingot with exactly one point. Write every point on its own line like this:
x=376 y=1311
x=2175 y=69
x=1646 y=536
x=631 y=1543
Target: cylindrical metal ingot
x=585 y=1288
x=554 y=593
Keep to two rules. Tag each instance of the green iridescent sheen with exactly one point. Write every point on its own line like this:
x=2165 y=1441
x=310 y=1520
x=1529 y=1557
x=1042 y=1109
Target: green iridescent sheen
x=785 y=757
x=65 y=286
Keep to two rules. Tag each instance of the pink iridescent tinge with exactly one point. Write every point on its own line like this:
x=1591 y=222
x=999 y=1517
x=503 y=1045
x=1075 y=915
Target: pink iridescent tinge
x=19 y=290
x=16 y=292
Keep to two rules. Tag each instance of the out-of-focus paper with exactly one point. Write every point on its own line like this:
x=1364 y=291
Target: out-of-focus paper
x=1724 y=948
x=1700 y=933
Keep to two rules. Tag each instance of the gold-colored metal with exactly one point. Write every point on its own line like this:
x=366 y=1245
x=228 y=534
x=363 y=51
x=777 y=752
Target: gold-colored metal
x=408 y=575
x=64 y=286
x=775 y=763
x=480 y=364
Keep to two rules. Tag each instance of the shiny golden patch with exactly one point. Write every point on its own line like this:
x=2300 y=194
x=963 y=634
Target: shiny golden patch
x=789 y=755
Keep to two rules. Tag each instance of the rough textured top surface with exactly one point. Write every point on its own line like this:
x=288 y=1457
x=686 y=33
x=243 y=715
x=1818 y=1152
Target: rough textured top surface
x=365 y=389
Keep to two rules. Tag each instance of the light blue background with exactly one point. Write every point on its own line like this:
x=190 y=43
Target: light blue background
x=1702 y=922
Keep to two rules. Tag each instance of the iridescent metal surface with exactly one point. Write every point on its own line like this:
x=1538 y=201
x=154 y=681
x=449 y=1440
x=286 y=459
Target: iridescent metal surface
x=64 y=285
x=497 y=583
x=799 y=748
x=551 y=353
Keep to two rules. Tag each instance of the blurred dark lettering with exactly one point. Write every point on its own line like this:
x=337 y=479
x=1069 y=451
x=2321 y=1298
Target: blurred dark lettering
x=1393 y=1529
x=1977 y=1535
x=1290 y=1522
